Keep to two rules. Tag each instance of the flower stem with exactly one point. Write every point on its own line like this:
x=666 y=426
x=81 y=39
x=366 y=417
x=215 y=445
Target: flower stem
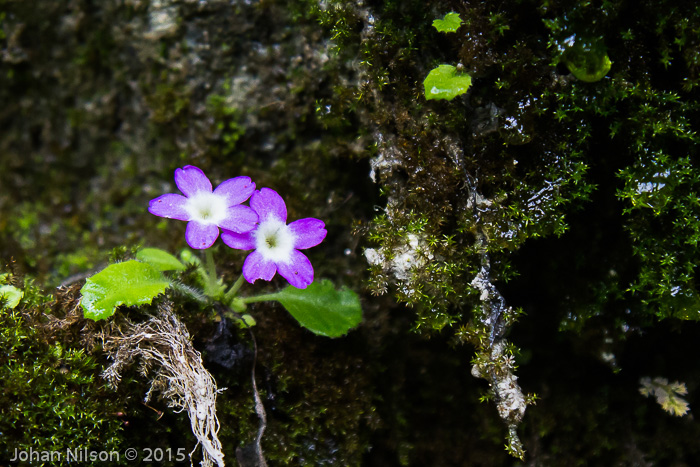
x=211 y=266
x=212 y=288
x=260 y=298
x=234 y=289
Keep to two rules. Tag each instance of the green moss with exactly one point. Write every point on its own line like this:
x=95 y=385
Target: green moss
x=526 y=155
x=318 y=406
x=574 y=185
x=53 y=398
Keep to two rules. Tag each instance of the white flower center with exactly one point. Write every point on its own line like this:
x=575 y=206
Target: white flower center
x=274 y=240
x=206 y=208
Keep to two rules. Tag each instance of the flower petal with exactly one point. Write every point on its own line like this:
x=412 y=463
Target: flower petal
x=299 y=271
x=256 y=267
x=308 y=232
x=239 y=219
x=238 y=241
x=200 y=236
x=235 y=190
x=169 y=205
x=191 y=179
x=267 y=202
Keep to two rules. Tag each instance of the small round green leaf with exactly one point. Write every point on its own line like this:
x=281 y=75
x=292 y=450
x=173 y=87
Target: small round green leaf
x=449 y=23
x=128 y=283
x=321 y=308
x=444 y=82
x=11 y=296
x=586 y=59
x=160 y=259
x=188 y=257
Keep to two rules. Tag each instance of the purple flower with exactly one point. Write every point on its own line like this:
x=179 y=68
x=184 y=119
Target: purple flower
x=277 y=244
x=205 y=211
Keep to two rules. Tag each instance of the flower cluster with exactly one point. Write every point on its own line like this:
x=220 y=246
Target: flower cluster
x=261 y=227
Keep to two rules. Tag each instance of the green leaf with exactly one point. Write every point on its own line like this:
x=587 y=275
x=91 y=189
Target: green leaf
x=449 y=23
x=245 y=321
x=321 y=308
x=128 y=283
x=587 y=59
x=444 y=82
x=188 y=257
x=160 y=259
x=11 y=295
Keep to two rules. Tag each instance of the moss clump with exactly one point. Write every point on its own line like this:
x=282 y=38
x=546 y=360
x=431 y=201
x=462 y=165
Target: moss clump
x=525 y=151
x=645 y=110
x=53 y=397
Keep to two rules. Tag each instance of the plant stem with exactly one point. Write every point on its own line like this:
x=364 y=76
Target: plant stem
x=213 y=289
x=234 y=289
x=260 y=298
x=189 y=291
x=211 y=266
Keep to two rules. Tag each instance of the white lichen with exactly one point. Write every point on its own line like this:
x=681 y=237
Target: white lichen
x=666 y=394
x=495 y=362
x=162 y=19
x=404 y=259
x=387 y=159
x=510 y=401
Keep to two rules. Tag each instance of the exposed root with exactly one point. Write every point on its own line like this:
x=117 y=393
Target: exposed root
x=163 y=343
x=250 y=455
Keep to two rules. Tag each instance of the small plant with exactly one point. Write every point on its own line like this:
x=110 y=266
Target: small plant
x=444 y=81
x=261 y=227
x=164 y=341
x=449 y=23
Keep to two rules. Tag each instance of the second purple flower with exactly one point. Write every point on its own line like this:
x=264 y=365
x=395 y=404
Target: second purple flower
x=277 y=244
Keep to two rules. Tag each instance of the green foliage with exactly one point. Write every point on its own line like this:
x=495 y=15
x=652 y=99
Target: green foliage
x=444 y=82
x=321 y=308
x=9 y=296
x=431 y=270
x=663 y=192
x=189 y=258
x=544 y=148
x=129 y=283
x=159 y=259
x=586 y=59
x=53 y=397
x=648 y=115
x=229 y=120
x=449 y=23
x=540 y=148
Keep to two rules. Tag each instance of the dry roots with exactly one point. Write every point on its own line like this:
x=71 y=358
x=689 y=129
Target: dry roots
x=164 y=343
